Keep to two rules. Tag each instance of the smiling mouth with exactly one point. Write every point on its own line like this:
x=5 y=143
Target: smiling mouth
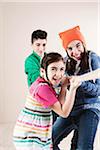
x=77 y=57
x=56 y=80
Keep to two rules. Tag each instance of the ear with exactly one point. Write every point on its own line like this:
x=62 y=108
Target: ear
x=42 y=72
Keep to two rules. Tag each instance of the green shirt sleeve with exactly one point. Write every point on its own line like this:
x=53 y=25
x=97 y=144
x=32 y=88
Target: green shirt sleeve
x=32 y=69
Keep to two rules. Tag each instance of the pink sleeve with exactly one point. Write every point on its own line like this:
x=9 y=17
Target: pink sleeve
x=46 y=95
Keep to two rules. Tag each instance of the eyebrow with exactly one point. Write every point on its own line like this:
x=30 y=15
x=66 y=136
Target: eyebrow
x=57 y=67
x=74 y=45
x=37 y=43
x=78 y=43
x=53 y=67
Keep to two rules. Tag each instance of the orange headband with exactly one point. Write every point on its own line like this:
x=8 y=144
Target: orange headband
x=70 y=35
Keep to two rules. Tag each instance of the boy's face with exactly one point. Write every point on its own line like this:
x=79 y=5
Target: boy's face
x=39 y=46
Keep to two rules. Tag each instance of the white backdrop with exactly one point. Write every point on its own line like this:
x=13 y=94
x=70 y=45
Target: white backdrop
x=17 y=22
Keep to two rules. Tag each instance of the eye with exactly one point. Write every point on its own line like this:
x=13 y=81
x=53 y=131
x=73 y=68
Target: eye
x=69 y=48
x=37 y=44
x=44 y=45
x=62 y=69
x=53 y=68
x=78 y=45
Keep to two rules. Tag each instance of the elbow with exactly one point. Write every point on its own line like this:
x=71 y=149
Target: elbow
x=64 y=115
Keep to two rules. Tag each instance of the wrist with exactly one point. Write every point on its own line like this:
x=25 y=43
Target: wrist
x=63 y=88
x=73 y=88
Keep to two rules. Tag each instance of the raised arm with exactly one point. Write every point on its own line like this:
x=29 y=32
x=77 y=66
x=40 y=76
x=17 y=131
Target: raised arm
x=65 y=108
x=92 y=87
x=90 y=75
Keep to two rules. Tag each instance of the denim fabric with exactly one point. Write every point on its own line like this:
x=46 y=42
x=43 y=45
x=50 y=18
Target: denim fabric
x=84 y=115
x=88 y=94
x=85 y=123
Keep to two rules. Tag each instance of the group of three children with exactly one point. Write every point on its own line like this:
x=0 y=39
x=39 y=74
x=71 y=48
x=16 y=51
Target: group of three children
x=77 y=104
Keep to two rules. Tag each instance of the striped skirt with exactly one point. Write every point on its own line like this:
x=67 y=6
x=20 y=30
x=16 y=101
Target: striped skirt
x=33 y=129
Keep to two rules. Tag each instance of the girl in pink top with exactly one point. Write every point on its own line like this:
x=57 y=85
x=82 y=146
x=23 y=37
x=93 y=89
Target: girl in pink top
x=33 y=129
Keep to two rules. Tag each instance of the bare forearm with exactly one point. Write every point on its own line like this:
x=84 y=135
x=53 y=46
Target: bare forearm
x=67 y=106
x=62 y=95
x=90 y=76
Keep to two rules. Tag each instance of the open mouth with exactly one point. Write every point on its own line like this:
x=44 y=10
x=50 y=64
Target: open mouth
x=57 y=80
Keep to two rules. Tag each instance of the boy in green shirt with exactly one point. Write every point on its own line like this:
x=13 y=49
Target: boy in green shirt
x=32 y=62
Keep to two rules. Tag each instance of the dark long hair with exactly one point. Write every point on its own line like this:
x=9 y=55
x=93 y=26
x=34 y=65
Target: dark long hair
x=84 y=64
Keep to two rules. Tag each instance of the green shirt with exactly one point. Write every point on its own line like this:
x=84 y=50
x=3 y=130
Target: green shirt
x=32 y=67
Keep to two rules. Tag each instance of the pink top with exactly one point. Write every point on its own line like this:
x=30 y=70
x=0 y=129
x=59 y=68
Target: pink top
x=43 y=92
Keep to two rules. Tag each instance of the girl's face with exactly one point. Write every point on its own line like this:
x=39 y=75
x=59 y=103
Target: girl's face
x=75 y=49
x=55 y=72
x=39 y=46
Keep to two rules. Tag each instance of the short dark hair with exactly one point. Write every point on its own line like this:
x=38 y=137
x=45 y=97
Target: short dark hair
x=50 y=58
x=38 y=34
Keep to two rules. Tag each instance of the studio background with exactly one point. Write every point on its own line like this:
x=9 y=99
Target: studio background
x=17 y=22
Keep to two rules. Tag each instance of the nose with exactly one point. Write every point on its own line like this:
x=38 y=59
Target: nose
x=42 y=47
x=58 y=73
x=75 y=51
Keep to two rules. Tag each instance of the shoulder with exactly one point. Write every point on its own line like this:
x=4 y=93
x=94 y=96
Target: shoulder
x=94 y=60
x=39 y=86
x=47 y=94
x=45 y=87
x=31 y=59
x=44 y=94
x=46 y=90
x=93 y=55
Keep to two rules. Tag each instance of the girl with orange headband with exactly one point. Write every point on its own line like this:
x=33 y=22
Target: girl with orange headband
x=84 y=117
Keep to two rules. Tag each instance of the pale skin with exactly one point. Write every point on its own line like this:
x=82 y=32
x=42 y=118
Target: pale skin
x=55 y=72
x=88 y=76
x=75 y=49
x=39 y=46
